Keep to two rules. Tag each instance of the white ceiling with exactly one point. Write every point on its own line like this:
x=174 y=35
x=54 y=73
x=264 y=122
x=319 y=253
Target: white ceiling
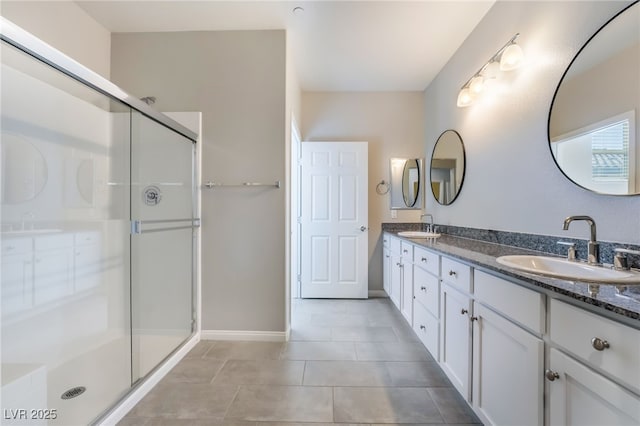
x=336 y=45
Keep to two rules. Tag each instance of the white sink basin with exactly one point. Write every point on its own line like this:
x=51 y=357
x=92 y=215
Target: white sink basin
x=569 y=270
x=418 y=234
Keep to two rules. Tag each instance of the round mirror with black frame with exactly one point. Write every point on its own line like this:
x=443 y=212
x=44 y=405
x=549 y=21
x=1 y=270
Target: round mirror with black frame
x=593 y=130
x=411 y=182
x=447 y=167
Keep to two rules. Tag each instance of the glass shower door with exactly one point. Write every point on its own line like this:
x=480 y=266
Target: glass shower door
x=162 y=214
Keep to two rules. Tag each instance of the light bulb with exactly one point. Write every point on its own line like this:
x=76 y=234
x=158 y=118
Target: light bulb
x=465 y=97
x=476 y=85
x=511 y=58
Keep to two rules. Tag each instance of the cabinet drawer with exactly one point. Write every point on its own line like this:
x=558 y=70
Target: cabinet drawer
x=54 y=241
x=16 y=245
x=87 y=238
x=426 y=290
x=394 y=244
x=518 y=303
x=457 y=274
x=573 y=329
x=426 y=327
x=407 y=251
x=427 y=260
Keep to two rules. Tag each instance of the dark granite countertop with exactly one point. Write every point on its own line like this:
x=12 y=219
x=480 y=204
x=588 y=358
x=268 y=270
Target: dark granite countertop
x=482 y=255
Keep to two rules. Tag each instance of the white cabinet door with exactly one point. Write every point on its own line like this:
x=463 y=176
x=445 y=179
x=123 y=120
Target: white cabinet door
x=396 y=279
x=508 y=365
x=17 y=282
x=406 y=304
x=455 y=347
x=580 y=396
x=87 y=267
x=53 y=275
x=386 y=271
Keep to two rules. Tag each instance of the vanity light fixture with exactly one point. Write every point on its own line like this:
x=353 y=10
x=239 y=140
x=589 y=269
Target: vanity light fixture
x=508 y=58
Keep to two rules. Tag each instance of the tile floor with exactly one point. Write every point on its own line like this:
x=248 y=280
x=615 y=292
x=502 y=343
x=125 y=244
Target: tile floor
x=348 y=362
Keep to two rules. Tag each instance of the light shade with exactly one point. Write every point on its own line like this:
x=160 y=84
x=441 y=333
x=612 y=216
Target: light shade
x=491 y=71
x=465 y=97
x=511 y=58
x=476 y=85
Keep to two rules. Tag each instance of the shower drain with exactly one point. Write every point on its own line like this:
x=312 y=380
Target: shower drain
x=73 y=392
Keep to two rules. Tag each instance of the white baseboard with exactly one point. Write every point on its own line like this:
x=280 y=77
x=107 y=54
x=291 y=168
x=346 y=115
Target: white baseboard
x=377 y=293
x=125 y=405
x=255 y=336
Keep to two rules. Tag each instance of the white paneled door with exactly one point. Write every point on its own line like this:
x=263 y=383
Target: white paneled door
x=334 y=220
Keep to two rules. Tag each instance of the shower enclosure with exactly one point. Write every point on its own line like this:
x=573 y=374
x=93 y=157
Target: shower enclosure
x=98 y=237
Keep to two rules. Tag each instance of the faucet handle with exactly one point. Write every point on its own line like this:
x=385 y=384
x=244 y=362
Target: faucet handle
x=571 y=251
x=620 y=259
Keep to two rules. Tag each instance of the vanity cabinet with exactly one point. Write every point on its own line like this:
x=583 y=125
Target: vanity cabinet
x=506 y=347
x=53 y=268
x=508 y=352
x=594 y=369
x=87 y=261
x=580 y=396
x=406 y=282
x=386 y=265
x=47 y=268
x=395 y=267
x=17 y=275
x=455 y=340
x=426 y=299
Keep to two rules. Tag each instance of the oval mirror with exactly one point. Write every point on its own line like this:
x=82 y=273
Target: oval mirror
x=24 y=169
x=593 y=131
x=410 y=182
x=447 y=167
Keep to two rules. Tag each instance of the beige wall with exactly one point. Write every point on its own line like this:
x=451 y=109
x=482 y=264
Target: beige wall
x=512 y=182
x=392 y=123
x=65 y=26
x=237 y=80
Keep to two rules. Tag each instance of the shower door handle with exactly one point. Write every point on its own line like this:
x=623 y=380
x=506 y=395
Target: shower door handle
x=137 y=225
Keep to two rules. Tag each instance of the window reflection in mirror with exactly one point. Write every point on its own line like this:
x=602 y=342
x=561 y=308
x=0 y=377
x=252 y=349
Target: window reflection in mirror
x=447 y=167
x=406 y=188
x=593 y=131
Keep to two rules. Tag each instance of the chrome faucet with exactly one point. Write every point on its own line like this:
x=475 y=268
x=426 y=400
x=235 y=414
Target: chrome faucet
x=430 y=227
x=593 y=246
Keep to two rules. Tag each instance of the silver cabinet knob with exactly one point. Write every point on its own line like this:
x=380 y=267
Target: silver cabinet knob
x=599 y=344
x=551 y=375
x=452 y=273
x=464 y=311
x=424 y=259
x=423 y=288
x=405 y=251
x=422 y=327
x=472 y=319
x=363 y=228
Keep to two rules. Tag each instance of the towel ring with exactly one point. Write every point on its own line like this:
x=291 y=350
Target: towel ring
x=382 y=187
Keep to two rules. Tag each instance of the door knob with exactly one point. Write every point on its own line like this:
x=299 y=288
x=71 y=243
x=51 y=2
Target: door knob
x=363 y=228
x=551 y=375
